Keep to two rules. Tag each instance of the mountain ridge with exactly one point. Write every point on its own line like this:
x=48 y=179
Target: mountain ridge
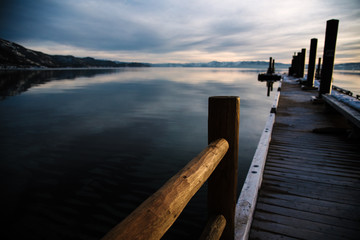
x=15 y=56
x=217 y=64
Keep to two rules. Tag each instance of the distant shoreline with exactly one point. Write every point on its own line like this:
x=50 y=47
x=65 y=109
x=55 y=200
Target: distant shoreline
x=346 y=66
x=14 y=57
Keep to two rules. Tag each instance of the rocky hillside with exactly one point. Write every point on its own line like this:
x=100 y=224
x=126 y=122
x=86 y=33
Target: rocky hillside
x=13 y=55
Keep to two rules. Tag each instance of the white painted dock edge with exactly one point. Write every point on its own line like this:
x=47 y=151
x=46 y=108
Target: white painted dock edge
x=276 y=99
x=245 y=206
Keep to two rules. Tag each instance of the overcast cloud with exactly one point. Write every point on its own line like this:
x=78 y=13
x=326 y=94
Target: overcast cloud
x=180 y=31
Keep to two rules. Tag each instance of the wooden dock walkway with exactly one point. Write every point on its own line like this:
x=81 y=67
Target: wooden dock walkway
x=311 y=181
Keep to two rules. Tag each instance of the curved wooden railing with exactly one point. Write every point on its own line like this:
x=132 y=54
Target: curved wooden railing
x=217 y=162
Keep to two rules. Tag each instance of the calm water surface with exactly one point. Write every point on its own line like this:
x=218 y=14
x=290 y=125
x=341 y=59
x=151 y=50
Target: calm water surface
x=81 y=149
x=347 y=79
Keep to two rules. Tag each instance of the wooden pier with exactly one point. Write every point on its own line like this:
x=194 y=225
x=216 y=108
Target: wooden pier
x=311 y=181
x=304 y=179
x=303 y=182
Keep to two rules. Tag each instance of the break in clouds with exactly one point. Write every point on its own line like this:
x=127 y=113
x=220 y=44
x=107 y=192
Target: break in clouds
x=248 y=29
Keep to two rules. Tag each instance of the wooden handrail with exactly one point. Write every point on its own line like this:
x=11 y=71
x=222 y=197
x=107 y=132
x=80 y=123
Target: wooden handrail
x=214 y=228
x=155 y=216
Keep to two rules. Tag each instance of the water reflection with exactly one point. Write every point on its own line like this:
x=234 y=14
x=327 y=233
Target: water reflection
x=16 y=82
x=269 y=86
x=269 y=83
x=80 y=150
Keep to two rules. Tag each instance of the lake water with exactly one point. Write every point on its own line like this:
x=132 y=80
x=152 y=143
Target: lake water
x=81 y=149
x=347 y=79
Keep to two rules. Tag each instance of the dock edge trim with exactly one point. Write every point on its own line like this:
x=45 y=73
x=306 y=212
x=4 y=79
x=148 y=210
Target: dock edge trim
x=246 y=203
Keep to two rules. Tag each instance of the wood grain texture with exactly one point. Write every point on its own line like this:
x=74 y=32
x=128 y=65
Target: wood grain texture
x=155 y=215
x=246 y=203
x=223 y=122
x=214 y=228
x=311 y=181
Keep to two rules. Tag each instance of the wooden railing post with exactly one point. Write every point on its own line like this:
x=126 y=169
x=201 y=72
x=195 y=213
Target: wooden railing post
x=223 y=122
x=312 y=60
x=328 y=56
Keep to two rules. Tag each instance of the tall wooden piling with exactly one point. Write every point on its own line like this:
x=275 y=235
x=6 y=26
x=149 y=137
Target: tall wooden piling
x=269 y=71
x=296 y=66
x=318 y=70
x=273 y=66
x=292 y=68
x=302 y=63
x=328 y=56
x=223 y=122
x=312 y=60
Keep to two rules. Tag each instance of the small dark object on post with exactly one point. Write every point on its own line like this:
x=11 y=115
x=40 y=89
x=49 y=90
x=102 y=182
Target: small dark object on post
x=270 y=74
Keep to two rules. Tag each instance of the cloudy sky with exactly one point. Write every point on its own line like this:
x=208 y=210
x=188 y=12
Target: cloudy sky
x=180 y=30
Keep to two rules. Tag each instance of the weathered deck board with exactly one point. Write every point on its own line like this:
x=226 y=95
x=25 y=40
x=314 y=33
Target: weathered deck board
x=311 y=182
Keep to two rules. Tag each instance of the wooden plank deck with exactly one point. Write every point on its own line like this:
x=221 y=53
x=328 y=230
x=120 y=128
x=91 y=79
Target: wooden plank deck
x=311 y=181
